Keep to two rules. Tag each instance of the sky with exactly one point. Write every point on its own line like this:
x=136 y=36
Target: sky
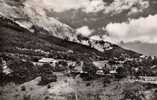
x=63 y=5
x=143 y=29
x=117 y=18
x=88 y=6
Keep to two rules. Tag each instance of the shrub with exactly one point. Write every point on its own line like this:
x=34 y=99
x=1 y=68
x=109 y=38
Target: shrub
x=88 y=84
x=48 y=86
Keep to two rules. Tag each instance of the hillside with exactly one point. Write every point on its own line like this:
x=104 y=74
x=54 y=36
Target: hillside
x=16 y=39
x=43 y=23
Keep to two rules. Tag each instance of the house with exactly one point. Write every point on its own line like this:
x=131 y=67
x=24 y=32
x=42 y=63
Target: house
x=100 y=65
x=100 y=72
x=78 y=68
x=37 y=63
x=48 y=60
x=113 y=72
x=70 y=63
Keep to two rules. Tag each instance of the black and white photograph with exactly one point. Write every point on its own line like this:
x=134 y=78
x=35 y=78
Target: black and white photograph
x=78 y=49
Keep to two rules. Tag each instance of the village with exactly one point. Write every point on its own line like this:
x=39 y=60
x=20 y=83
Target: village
x=102 y=68
x=64 y=76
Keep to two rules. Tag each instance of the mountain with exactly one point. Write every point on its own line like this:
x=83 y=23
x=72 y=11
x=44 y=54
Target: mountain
x=21 y=48
x=34 y=21
x=148 y=49
x=49 y=34
x=29 y=37
x=109 y=49
x=18 y=40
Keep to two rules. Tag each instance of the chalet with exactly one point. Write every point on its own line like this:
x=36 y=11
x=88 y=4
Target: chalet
x=101 y=64
x=47 y=60
x=101 y=67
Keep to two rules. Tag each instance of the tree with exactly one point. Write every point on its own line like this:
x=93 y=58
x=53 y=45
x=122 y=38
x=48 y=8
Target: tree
x=155 y=60
x=121 y=73
x=47 y=75
x=22 y=71
x=61 y=66
x=90 y=69
x=106 y=70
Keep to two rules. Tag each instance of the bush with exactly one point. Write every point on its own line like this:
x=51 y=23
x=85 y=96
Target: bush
x=47 y=78
x=48 y=86
x=27 y=97
x=88 y=84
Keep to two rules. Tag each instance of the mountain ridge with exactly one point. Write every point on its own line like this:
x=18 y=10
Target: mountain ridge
x=148 y=49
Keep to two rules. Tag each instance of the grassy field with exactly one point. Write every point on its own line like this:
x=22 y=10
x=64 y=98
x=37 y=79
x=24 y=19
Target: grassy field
x=68 y=88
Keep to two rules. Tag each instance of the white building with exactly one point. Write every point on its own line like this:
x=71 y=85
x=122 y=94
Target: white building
x=48 y=60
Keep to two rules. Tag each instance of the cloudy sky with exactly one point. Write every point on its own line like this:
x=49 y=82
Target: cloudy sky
x=141 y=28
x=114 y=20
x=116 y=6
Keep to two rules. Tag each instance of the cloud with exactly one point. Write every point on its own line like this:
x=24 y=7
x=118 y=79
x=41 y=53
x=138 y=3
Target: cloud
x=109 y=39
x=34 y=7
x=133 y=6
x=94 y=6
x=84 y=30
x=104 y=38
x=142 y=29
x=62 y=5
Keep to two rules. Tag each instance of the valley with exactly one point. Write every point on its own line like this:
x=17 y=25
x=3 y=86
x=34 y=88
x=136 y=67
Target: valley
x=43 y=58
